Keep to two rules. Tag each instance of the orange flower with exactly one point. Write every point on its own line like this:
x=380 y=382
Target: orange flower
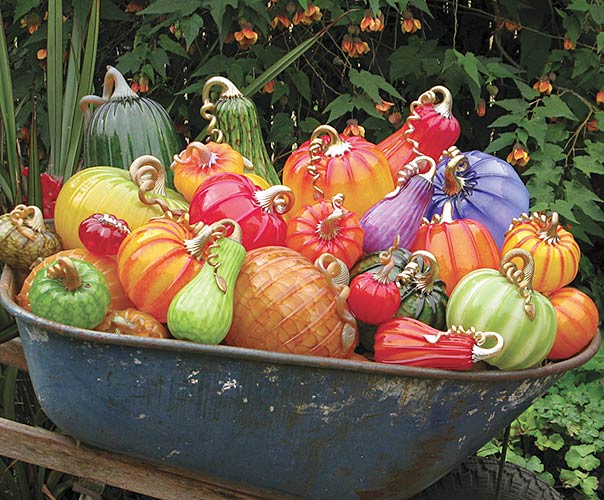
x=481 y=109
x=246 y=37
x=269 y=87
x=354 y=46
x=229 y=38
x=143 y=84
x=543 y=85
x=309 y=16
x=568 y=43
x=24 y=134
x=409 y=24
x=592 y=125
x=282 y=21
x=42 y=54
x=31 y=22
x=518 y=156
x=134 y=7
x=600 y=96
x=371 y=23
x=396 y=119
x=353 y=128
x=134 y=86
x=512 y=26
x=384 y=107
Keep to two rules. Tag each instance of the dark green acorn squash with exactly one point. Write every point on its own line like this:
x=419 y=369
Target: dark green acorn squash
x=125 y=126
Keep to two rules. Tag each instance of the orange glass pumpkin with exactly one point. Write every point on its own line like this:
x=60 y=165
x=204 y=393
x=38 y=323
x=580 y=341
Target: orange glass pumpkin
x=154 y=263
x=429 y=129
x=326 y=228
x=577 y=322
x=459 y=246
x=284 y=303
x=107 y=266
x=329 y=164
x=199 y=161
x=554 y=249
x=131 y=321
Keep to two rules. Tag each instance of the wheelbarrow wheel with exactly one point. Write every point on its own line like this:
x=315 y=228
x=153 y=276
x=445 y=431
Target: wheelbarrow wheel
x=476 y=479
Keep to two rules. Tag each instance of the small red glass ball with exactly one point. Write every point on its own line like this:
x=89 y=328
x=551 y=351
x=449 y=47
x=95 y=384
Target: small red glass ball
x=102 y=234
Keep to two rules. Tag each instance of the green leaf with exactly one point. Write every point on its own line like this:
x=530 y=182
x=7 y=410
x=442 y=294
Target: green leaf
x=421 y=5
x=501 y=142
x=282 y=130
x=600 y=41
x=302 y=83
x=517 y=106
x=529 y=93
x=498 y=69
x=469 y=63
x=217 y=10
x=588 y=165
x=504 y=121
x=565 y=209
x=172 y=46
x=24 y=6
x=584 y=60
x=554 y=107
x=372 y=84
x=585 y=199
x=339 y=106
x=534 y=52
x=110 y=12
x=597 y=13
x=581 y=457
x=190 y=27
x=159 y=60
x=182 y=7
x=536 y=128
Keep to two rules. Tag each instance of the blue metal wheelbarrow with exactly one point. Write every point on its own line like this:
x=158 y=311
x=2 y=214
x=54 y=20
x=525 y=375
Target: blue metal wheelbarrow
x=306 y=427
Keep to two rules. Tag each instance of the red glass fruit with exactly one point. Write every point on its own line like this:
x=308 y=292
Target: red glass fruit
x=103 y=234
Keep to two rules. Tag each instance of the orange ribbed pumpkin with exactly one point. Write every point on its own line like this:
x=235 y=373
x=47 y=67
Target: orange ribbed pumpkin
x=284 y=303
x=199 y=161
x=326 y=228
x=154 y=264
x=577 y=322
x=459 y=246
x=131 y=321
x=329 y=164
x=554 y=249
x=107 y=266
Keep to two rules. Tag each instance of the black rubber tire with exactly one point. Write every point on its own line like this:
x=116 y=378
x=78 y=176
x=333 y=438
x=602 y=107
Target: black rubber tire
x=476 y=479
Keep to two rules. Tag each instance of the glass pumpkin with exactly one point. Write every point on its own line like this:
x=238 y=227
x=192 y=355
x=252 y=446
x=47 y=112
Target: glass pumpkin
x=554 y=249
x=329 y=164
x=504 y=302
x=481 y=187
x=284 y=303
x=459 y=246
x=326 y=228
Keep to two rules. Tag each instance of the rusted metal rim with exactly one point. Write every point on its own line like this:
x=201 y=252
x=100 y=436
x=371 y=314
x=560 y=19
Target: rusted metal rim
x=7 y=292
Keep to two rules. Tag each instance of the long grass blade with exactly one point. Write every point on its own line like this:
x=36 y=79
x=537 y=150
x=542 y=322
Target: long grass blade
x=34 y=189
x=8 y=483
x=55 y=84
x=85 y=87
x=11 y=180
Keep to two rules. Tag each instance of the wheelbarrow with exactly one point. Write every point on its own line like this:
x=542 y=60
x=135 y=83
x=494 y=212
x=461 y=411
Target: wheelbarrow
x=306 y=427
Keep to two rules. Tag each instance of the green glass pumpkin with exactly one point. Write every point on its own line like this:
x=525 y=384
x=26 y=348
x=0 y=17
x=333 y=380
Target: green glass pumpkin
x=126 y=126
x=70 y=291
x=423 y=296
x=504 y=302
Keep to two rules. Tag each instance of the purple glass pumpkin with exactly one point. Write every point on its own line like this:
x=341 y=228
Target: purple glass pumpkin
x=399 y=214
x=481 y=187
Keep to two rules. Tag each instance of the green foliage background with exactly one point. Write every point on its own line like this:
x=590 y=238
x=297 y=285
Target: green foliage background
x=483 y=51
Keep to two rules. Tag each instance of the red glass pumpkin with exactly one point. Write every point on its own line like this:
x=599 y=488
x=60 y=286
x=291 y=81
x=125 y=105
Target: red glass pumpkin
x=329 y=164
x=199 y=161
x=258 y=212
x=429 y=129
x=374 y=297
x=326 y=228
x=577 y=322
x=103 y=234
x=555 y=252
x=459 y=246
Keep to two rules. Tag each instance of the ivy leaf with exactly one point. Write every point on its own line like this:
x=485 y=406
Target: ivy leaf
x=372 y=84
x=182 y=7
x=554 y=107
x=190 y=27
x=535 y=128
x=501 y=142
x=172 y=46
x=159 y=60
x=565 y=209
x=339 y=106
x=581 y=457
x=588 y=165
x=585 y=199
